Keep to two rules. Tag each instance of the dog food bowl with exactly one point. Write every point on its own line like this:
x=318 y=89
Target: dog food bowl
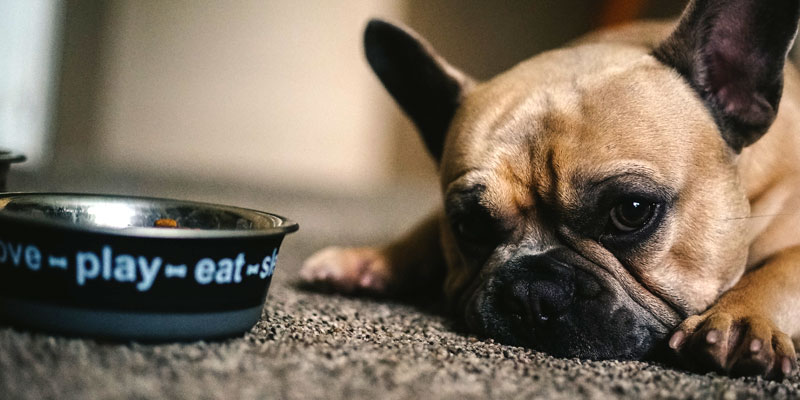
x=134 y=268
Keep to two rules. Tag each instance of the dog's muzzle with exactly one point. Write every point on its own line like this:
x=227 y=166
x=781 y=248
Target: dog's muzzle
x=560 y=303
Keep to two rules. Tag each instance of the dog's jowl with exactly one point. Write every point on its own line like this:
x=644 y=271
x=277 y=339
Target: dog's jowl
x=636 y=193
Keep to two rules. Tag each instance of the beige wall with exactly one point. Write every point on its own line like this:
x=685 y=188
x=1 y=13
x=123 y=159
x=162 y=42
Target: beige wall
x=270 y=92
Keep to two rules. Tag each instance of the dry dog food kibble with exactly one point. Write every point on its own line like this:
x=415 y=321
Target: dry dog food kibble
x=166 y=223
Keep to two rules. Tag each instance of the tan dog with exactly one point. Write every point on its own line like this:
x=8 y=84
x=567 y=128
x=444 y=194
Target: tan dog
x=612 y=198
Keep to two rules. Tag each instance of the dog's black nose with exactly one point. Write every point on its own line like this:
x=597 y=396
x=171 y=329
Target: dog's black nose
x=540 y=291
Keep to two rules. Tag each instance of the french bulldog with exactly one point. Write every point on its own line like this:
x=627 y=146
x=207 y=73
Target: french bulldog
x=636 y=192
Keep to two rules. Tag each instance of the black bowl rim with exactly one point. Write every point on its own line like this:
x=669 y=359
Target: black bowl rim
x=286 y=225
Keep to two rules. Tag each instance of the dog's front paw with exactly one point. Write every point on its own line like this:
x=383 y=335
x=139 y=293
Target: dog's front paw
x=718 y=341
x=347 y=270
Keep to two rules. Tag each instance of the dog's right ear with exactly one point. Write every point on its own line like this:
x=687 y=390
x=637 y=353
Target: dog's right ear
x=425 y=86
x=733 y=53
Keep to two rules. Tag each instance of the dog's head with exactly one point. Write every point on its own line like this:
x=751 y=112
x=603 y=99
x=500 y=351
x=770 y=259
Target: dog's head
x=592 y=199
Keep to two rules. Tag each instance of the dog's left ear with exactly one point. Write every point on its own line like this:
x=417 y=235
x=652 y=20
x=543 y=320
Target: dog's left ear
x=733 y=53
x=425 y=86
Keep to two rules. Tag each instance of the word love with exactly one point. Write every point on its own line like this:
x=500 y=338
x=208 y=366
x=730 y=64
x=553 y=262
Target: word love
x=20 y=254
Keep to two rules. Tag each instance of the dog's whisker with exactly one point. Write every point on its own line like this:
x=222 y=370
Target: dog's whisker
x=760 y=216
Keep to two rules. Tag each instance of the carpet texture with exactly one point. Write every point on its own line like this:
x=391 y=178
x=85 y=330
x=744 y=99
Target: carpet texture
x=311 y=345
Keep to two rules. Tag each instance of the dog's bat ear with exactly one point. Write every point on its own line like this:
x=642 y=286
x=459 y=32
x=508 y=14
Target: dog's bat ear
x=733 y=53
x=425 y=86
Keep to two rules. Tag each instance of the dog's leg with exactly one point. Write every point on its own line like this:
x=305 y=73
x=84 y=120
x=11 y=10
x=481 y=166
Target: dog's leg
x=409 y=265
x=747 y=332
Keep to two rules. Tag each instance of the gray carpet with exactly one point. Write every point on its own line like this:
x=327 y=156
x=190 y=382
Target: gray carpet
x=311 y=345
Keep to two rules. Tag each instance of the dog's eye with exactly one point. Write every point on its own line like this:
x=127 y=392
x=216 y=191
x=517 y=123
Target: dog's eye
x=475 y=229
x=631 y=214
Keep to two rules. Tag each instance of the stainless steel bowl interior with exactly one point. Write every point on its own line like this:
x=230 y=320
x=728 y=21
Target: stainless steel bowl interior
x=138 y=215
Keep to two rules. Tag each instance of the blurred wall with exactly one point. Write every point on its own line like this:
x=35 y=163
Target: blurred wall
x=270 y=92
x=273 y=92
x=29 y=52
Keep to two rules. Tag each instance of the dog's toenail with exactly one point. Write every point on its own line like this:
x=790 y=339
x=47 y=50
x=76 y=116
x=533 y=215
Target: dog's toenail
x=712 y=336
x=676 y=340
x=755 y=345
x=366 y=281
x=786 y=366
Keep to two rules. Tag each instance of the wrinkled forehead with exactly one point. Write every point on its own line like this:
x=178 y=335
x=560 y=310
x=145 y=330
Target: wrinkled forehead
x=553 y=135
